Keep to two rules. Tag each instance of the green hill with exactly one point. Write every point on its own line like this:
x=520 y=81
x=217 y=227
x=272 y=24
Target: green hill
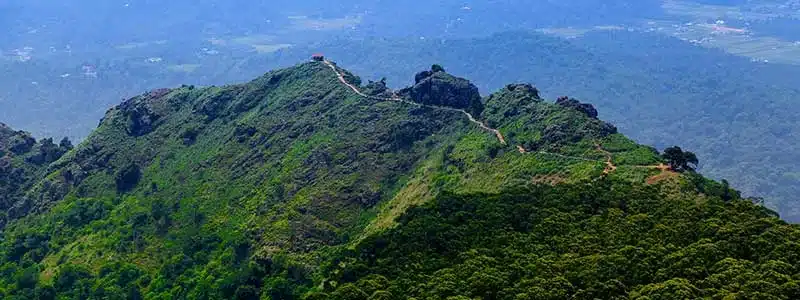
x=306 y=183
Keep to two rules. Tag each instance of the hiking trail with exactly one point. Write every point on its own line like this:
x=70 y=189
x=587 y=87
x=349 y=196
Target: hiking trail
x=610 y=166
x=395 y=98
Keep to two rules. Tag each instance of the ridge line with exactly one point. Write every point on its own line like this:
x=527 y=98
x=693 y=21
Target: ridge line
x=395 y=98
x=610 y=166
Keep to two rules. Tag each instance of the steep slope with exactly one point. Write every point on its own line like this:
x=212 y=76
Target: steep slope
x=265 y=189
x=37 y=98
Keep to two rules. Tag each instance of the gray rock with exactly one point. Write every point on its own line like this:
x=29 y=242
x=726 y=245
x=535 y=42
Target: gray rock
x=442 y=89
x=585 y=108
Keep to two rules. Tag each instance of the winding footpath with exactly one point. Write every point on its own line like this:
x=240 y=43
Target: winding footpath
x=610 y=167
x=395 y=98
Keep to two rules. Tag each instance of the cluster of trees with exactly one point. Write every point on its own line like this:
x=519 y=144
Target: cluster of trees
x=680 y=160
x=602 y=240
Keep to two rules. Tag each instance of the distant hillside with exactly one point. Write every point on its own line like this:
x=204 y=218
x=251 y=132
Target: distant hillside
x=309 y=183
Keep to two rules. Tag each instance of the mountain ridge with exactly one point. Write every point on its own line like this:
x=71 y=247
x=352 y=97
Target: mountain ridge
x=394 y=97
x=707 y=110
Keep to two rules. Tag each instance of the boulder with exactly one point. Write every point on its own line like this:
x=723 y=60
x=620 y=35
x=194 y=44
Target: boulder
x=377 y=88
x=442 y=89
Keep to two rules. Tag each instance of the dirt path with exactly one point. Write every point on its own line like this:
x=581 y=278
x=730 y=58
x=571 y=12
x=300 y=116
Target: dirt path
x=471 y=118
x=666 y=171
x=662 y=167
x=352 y=87
x=610 y=167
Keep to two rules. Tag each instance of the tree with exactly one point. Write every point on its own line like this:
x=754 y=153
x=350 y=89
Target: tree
x=65 y=144
x=677 y=288
x=727 y=195
x=437 y=68
x=349 y=292
x=380 y=295
x=679 y=160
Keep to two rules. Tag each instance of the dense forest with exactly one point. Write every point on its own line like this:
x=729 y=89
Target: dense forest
x=601 y=240
x=23 y=160
x=293 y=186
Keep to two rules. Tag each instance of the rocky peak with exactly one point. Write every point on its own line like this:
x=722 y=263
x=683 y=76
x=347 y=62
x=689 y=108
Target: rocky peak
x=141 y=112
x=377 y=88
x=17 y=142
x=437 y=87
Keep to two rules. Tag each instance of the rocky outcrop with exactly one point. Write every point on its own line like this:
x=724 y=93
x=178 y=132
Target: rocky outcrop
x=585 y=108
x=142 y=118
x=140 y=121
x=524 y=91
x=377 y=89
x=510 y=102
x=436 y=87
x=16 y=142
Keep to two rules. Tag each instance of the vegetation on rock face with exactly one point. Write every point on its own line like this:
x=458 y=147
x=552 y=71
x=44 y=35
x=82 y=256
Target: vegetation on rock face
x=586 y=108
x=292 y=186
x=22 y=161
x=519 y=112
